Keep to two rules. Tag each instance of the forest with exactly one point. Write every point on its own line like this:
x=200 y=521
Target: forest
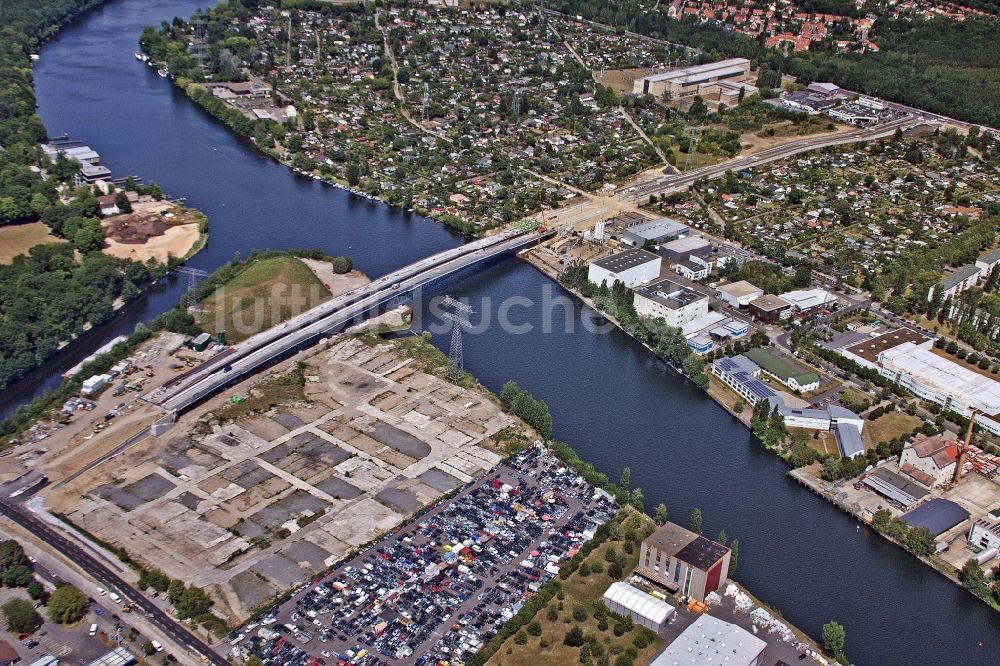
x=50 y=295
x=938 y=65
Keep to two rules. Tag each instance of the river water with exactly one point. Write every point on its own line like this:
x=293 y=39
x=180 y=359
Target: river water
x=614 y=402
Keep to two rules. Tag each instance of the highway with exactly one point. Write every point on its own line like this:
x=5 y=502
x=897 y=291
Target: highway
x=110 y=580
x=328 y=317
x=680 y=181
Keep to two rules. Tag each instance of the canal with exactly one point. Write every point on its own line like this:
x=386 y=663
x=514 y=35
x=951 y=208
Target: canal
x=610 y=399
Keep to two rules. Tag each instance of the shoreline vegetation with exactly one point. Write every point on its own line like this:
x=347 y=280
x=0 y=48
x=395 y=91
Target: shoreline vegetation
x=67 y=283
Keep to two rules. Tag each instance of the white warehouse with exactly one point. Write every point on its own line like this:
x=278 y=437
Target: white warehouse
x=644 y=609
x=631 y=267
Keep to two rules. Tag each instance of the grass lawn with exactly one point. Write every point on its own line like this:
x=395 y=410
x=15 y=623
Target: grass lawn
x=17 y=239
x=266 y=293
x=888 y=426
x=825 y=443
x=583 y=593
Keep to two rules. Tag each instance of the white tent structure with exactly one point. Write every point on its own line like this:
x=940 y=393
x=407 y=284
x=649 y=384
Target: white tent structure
x=644 y=609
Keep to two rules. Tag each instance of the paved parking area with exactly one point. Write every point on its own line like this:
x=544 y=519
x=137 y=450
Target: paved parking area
x=438 y=588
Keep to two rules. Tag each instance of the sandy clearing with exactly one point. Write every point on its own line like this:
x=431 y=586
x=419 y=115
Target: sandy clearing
x=337 y=283
x=177 y=241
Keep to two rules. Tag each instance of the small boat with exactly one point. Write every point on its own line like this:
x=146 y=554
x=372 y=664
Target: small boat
x=140 y=56
x=162 y=72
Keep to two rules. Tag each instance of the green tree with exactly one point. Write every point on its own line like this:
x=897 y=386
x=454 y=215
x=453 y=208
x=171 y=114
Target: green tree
x=695 y=523
x=625 y=480
x=722 y=537
x=20 y=616
x=833 y=639
x=66 y=605
x=573 y=637
x=734 y=556
x=35 y=590
x=661 y=514
x=148 y=649
x=353 y=174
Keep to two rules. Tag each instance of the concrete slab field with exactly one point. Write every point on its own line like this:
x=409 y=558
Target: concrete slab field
x=220 y=504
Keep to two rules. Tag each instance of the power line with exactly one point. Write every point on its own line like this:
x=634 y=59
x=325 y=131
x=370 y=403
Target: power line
x=459 y=320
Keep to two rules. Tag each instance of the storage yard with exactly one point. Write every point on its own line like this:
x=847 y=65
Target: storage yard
x=249 y=497
x=441 y=587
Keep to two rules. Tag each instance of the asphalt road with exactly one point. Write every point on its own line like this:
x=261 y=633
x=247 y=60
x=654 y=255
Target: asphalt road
x=110 y=580
x=670 y=183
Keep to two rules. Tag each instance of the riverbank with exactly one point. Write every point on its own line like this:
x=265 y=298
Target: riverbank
x=807 y=476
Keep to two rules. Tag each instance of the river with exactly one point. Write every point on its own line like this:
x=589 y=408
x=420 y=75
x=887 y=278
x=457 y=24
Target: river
x=610 y=399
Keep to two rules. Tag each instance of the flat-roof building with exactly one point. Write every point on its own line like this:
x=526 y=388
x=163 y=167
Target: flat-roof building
x=936 y=514
x=683 y=248
x=769 y=308
x=687 y=80
x=710 y=641
x=806 y=300
x=739 y=294
x=670 y=301
x=694 y=268
x=866 y=352
x=740 y=374
x=988 y=261
x=658 y=231
x=631 y=267
x=934 y=378
x=683 y=561
x=795 y=378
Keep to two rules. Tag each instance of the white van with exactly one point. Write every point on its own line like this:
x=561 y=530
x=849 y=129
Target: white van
x=93 y=629
x=156 y=646
x=115 y=598
x=101 y=591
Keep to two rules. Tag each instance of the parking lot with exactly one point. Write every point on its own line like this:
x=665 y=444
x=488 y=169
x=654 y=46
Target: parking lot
x=439 y=587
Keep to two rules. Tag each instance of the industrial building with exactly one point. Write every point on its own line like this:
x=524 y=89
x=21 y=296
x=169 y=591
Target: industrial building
x=641 y=607
x=683 y=561
x=710 y=641
x=686 y=81
x=739 y=294
x=117 y=657
x=694 y=268
x=934 y=378
x=894 y=487
x=769 y=308
x=985 y=534
x=658 y=231
x=936 y=514
x=703 y=333
x=684 y=248
x=854 y=114
x=930 y=460
x=845 y=424
x=866 y=352
x=795 y=378
x=807 y=300
x=630 y=267
x=670 y=301
x=828 y=90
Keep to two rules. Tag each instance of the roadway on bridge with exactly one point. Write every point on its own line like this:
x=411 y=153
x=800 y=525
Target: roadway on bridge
x=327 y=318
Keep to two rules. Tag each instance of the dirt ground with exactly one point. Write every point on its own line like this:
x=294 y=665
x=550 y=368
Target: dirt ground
x=17 y=239
x=753 y=142
x=248 y=499
x=620 y=80
x=176 y=241
x=337 y=283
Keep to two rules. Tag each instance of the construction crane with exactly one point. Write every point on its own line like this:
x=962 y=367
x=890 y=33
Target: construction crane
x=963 y=447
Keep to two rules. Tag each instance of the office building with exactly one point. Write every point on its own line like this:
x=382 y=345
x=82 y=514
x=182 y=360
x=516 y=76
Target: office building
x=794 y=377
x=694 y=268
x=674 y=303
x=683 y=561
x=741 y=374
x=631 y=267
